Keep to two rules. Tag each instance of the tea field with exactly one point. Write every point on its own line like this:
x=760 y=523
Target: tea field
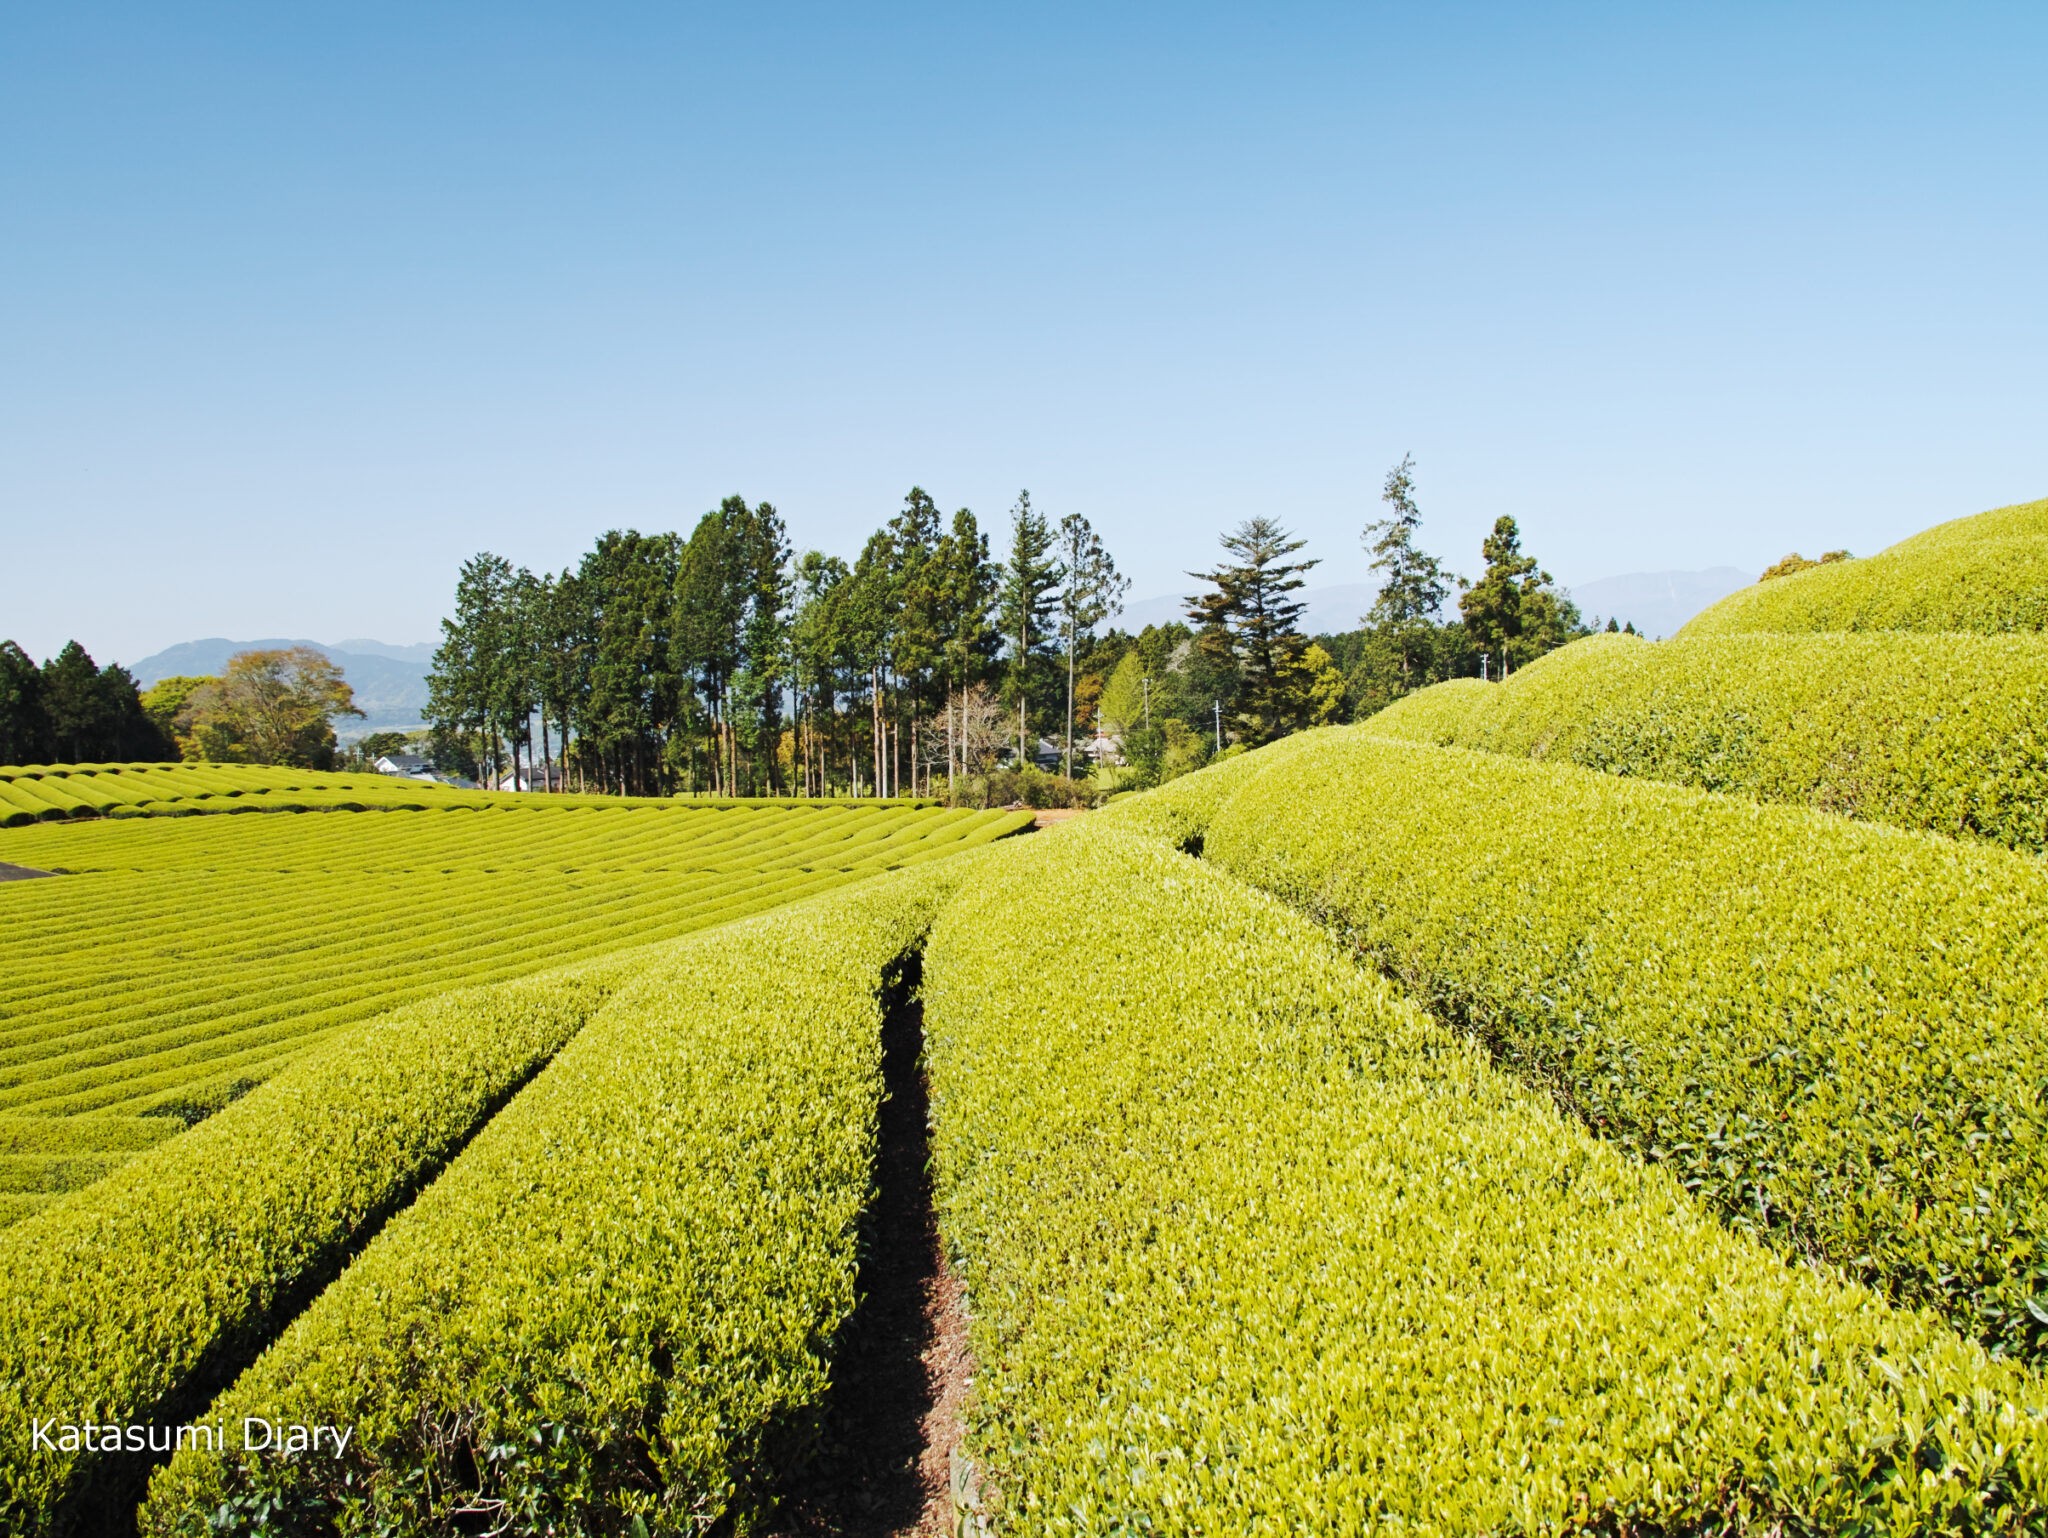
x=1608 y=1102
x=181 y=960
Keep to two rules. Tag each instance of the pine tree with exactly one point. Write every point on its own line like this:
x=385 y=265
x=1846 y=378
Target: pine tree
x=1031 y=578
x=1413 y=589
x=1514 y=612
x=24 y=725
x=1251 y=615
x=1090 y=592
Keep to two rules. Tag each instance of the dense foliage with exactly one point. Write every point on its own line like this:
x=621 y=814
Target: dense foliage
x=615 y=1309
x=1829 y=1031
x=267 y=707
x=1986 y=573
x=1256 y=1247
x=71 y=710
x=661 y=662
x=127 y=1302
x=180 y=962
x=1937 y=732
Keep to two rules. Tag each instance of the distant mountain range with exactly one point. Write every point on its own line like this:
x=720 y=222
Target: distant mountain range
x=390 y=681
x=1658 y=602
x=1655 y=602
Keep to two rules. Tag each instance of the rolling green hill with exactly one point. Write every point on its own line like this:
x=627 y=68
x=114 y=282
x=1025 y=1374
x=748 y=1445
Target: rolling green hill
x=1988 y=573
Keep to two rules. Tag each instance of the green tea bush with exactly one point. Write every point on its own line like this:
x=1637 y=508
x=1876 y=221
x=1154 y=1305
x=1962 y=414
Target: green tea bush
x=1987 y=573
x=123 y=1303
x=184 y=956
x=1947 y=733
x=46 y=792
x=1255 y=1247
x=616 y=1309
x=1830 y=1031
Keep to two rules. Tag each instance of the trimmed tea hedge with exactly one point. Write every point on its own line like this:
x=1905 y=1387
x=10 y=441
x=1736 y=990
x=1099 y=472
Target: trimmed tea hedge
x=619 y=1303
x=52 y=792
x=1253 y=1246
x=183 y=960
x=1832 y=1032
x=1947 y=733
x=123 y=1303
x=1987 y=573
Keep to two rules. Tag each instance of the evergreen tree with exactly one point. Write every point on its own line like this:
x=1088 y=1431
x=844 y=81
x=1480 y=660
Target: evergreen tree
x=918 y=635
x=764 y=634
x=1090 y=591
x=25 y=736
x=818 y=659
x=1514 y=612
x=633 y=702
x=867 y=621
x=1250 y=616
x=1412 y=586
x=1025 y=601
x=463 y=685
x=75 y=705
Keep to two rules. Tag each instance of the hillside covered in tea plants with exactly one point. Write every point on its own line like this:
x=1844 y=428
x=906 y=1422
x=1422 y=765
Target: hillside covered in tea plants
x=183 y=956
x=1606 y=1101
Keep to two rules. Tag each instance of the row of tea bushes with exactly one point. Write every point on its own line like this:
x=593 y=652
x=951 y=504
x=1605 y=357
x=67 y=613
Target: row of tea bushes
x=615 y=1311
x=185 y=957
x=123 y=1304
x=31 y=793
x=1830 y=1031
x=1947 y=733
x=1254 y=1246
x=1986 y=573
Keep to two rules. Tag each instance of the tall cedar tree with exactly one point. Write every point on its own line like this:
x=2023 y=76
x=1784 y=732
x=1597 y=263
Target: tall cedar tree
x=764 y=565
x=1514 y=613
x=1412 y=587
x=631 y=580
x=867 y=613
x=470 y=664
x=917 y=640
x=819 y=661
x=1250 y=617
x=1025 y=601
x=1091 y=591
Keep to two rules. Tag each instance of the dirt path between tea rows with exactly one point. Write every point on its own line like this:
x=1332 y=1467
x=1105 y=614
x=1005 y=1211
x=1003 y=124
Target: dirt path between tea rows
x=903 y=1376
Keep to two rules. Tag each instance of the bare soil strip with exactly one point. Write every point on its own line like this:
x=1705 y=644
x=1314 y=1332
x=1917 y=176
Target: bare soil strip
x=21 y=872
x=901 y=1385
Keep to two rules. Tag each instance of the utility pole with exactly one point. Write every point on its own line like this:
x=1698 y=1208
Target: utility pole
x=1483 y=676
x=1218 y=707
x=1148 y=704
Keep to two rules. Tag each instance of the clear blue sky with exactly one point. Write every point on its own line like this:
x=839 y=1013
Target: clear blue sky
x=300 y=306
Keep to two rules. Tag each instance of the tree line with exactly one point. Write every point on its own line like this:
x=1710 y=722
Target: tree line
x=72 y=711
x=726 y=663
x=266 y=707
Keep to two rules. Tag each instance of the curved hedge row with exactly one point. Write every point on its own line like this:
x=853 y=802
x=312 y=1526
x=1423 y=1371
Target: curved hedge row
x=1255 y=1247
x=125 y=1304
x=1947 y=733
x=183 y=961
x=1832 y=1032
x=1986 y=573
x=617 y=1307
x=31 y=793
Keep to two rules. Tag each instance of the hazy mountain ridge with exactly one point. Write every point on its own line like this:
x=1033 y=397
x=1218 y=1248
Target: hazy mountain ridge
x=390 y=682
